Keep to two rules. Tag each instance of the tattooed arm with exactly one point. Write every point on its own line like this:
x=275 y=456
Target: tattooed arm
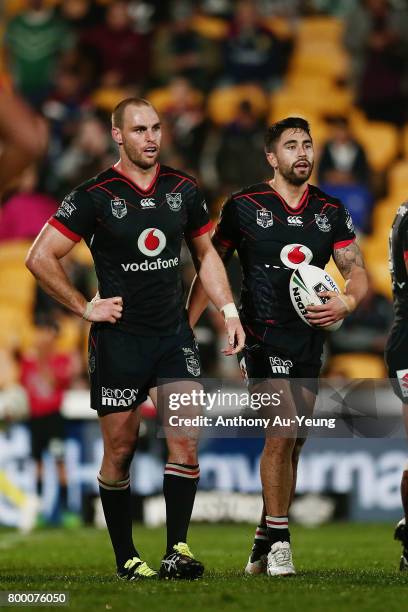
x=349 y=261
x=198 y=300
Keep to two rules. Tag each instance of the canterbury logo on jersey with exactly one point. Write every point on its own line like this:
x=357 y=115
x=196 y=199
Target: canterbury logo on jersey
x=147 y=203
x=146 y=266
x=295 y=221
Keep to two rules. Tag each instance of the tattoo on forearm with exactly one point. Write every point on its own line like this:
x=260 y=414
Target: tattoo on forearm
x=348 y=257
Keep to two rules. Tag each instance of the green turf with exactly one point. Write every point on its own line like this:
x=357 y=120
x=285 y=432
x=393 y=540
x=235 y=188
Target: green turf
x=340 y=567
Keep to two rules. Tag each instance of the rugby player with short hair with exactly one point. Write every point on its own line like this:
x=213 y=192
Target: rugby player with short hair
x=275 y=226
x=396 y=350
x=133 y=217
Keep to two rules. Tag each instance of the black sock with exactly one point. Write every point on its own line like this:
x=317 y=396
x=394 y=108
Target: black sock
x=179 y=488
x=116 y=503
x=278 y=529
x=63 y=497
x=261 y=545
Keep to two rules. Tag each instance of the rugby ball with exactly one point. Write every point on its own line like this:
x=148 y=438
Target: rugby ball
x=304 y=285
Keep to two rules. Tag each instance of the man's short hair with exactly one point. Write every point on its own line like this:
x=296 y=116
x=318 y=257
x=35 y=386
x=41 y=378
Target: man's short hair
x=275 y=131
x=119 y=110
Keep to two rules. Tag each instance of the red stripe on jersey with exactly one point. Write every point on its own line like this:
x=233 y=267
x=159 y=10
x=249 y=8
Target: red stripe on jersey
x=134 y=185
x=405 y=255
x=300 y=206
x=202 y=230
x=64 y=230
x=241 y=195
x=342 y=243
x=180 y=176
x=254 y=201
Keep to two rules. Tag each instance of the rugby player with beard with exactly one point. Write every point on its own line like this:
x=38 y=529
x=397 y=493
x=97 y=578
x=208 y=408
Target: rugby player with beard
x=274 y=226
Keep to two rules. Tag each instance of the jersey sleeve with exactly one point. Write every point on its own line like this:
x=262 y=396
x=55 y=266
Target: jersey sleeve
x=75 y=218
x=344 y=231
x=198 y=219
x=227 y=229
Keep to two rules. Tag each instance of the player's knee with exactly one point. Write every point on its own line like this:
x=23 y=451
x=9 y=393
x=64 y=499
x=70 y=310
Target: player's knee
x=120 y=453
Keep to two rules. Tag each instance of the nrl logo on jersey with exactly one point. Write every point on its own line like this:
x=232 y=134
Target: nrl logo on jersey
x=322 y=223
x=264 y=218
x=174 y=201
x=119 y=209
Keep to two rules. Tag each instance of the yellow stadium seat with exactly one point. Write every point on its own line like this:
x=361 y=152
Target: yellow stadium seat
x=327 y=60
x=82 y=254
x=210 y=27
x=323 y=28
x=17 y=285
x=106 y=98
x=223 y=103
x=383 y=215
x=309 y=102
x=380 y=141
x=162 y=98
x=398 y=178
x=357 y=365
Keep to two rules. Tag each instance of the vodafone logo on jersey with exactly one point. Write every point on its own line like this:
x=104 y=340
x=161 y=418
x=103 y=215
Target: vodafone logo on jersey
x=292 y=255
x=151 y=241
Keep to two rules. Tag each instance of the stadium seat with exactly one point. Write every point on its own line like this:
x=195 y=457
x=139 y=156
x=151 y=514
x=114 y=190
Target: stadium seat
x=398 y=178
x=357 y=365
x=319 y=103
x=162 y=98
x=380 y=141
x=223 y=103
x=327 y=60
x=210 y=27
x=16 y=282
x=323 y=28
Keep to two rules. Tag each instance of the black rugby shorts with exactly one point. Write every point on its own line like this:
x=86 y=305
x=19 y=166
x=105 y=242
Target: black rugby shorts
x=123 y=367
x=261 y=361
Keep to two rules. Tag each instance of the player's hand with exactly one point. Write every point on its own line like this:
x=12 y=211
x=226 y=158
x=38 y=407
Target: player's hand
x=337 y=307
x=105 y=310
x=235 y=335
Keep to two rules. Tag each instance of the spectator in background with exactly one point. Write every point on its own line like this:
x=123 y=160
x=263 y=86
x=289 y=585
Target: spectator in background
x=25 y=212
x=80 y=14
x=121 y=55
x=187 y=121
x=366 y=329
x=240 y=157
x=45 y=375
x=344 y=172
x=181 y=51
x=253 y=53
x=88 y=154
x=35 y=40
x=375 y=36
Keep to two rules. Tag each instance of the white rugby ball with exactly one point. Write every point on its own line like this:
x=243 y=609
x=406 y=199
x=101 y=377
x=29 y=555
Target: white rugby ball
x=304 y=285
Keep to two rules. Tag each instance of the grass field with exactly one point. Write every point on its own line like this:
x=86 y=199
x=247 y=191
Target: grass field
x=340 y=567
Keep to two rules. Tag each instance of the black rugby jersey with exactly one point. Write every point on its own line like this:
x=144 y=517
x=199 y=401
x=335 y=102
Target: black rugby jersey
x=135 y=238
x=398 y=252
x=272 y=239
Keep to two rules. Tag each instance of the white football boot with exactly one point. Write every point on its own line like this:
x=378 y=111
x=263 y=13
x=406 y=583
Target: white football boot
x=280 y=560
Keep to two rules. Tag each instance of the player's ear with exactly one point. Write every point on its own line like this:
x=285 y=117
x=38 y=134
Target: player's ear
x=117 y=135
x=272 y=159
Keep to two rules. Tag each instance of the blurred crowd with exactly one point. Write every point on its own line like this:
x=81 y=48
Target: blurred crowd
x=218 y=71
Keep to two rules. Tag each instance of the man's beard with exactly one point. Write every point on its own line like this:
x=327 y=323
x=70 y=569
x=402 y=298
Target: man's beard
x=293 y=178
x=138 y=160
